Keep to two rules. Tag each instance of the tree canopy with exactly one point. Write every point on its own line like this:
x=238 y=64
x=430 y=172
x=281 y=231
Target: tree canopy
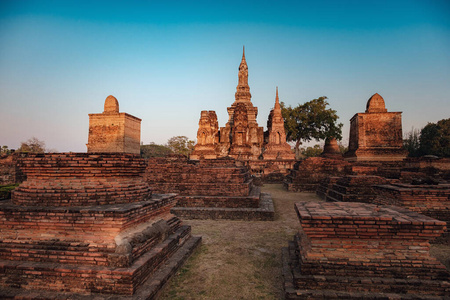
x=154 y=150
x=311 y=120
x=181 y=145
x=435 y=139
x=33 y=145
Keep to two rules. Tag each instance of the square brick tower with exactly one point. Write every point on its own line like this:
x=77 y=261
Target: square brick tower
x=376 y=135
x=112 y=131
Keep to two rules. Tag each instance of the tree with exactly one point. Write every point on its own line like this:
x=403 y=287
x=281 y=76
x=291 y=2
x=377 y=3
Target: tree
x=181 y=145
x=312 y=151
x=32 y=145
x=435 y=139
x=311 y=120
x=154 y=150
x=5 y=150
x=411 y=142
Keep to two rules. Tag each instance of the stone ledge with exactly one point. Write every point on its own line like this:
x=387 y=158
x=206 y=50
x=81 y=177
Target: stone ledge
x=116 y=209
x=265 y=211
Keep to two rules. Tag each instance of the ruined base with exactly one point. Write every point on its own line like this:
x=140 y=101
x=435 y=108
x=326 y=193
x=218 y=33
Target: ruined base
x=150 y=289
x=149 y=245
x=345 y=287
x=363 y=251
x=263 y=212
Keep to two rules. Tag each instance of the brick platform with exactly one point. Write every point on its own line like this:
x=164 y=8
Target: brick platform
x=98 y=243
x=210 y=188
x=363 y=251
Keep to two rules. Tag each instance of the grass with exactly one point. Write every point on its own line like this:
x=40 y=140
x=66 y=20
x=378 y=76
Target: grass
x=5 y=190
x=241 y=259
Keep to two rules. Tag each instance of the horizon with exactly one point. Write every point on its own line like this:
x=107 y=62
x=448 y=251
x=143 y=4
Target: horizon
x=165 y=63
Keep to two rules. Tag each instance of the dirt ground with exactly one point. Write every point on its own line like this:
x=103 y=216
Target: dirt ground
x=241 y=259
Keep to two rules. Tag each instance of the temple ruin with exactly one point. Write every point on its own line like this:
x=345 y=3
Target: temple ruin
x=242 y=138
x=363 y=251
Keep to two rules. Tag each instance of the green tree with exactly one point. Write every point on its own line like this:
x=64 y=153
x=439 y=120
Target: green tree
x=181 y=145
x=435 y=139
x=5 y=150
x=32 y=145
x=154 y=150
x=411 y=142
x=314 y=151
x=311 y=120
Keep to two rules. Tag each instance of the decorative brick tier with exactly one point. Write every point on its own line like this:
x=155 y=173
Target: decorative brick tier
x=209 y=188
x=55 y=239
x=308 y=173
x=75 y=228
x=358 y=250
x=355 y=188
x=75 y=179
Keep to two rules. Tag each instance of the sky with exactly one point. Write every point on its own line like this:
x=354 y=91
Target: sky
x=166 y=61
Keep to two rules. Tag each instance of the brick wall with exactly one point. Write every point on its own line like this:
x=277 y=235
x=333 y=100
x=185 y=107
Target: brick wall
x=71 y=179
x=176 y=174
x=9 y=172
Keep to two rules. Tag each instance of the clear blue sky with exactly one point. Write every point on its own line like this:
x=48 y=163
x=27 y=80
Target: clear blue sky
x=165 y=61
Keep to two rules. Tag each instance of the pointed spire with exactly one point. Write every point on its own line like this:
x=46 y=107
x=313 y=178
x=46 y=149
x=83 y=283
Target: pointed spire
x=243 y=62
x=243 y=90
x=277 y=102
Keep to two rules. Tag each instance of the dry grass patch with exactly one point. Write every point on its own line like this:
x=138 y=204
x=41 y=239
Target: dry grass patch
x=241 y=259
